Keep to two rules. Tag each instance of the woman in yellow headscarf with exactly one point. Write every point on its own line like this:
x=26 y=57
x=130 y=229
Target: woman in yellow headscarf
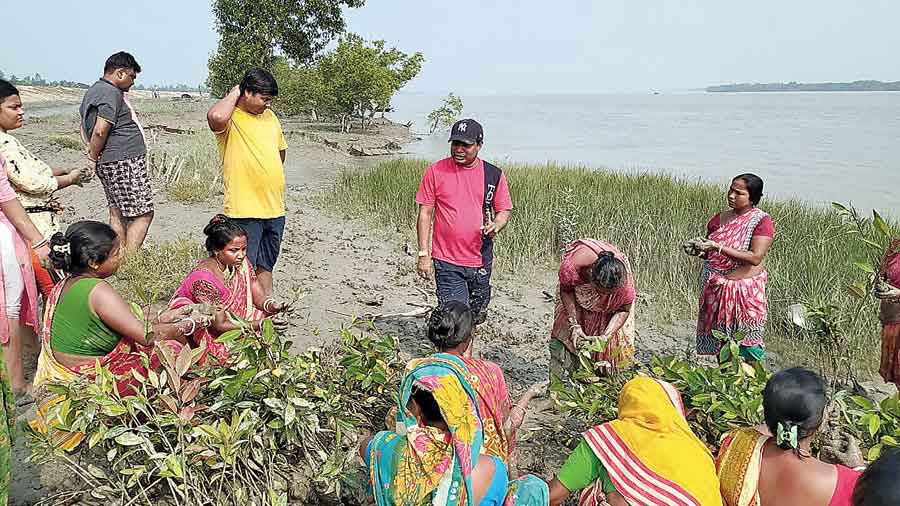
x=647 y=457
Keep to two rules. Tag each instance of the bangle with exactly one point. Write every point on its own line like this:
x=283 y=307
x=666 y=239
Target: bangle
x=266 y=304
x=40 y=243
x=720 y=248
x=193 y=326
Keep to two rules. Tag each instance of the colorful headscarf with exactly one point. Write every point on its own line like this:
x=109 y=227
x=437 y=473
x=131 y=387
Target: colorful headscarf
x=425 y=465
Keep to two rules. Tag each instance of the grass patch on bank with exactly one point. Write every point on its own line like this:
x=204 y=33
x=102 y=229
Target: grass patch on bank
x=65 y=142
x=191 y=170
x=648 y=216
x=153 y=273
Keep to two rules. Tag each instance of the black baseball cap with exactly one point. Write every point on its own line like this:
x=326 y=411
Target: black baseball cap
x=467 y=131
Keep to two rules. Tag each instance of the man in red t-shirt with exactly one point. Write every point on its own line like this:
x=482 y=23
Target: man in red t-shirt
x=468 y=201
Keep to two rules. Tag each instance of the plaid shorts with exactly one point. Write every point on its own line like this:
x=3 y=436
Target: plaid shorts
x=127 y=185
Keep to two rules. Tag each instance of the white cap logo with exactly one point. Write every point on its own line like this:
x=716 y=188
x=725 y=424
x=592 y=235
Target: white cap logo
x=462 y=127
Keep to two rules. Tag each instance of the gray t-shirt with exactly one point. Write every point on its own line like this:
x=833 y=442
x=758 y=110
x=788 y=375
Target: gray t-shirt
x=124 y=139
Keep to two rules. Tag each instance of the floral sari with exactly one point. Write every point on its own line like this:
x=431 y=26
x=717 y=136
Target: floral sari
x=423 y=465
x=889 y=367
x=650 y=453
x=494 y=404
x=125 y=360
x=203 y=287
x=731 y=306
x=595 y=309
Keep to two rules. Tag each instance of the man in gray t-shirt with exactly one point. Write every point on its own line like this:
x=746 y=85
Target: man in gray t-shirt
x=116 y=147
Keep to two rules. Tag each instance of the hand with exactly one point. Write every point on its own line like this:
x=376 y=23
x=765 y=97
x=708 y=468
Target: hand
x=705 y=245
x=884 y=290
x=43 y=254
x=174 y=315
x=579 y=338
x=425 y=268
x=691 y=248
x=491 y=229
x=273 y=306
x=539 y=389
x=842 y=448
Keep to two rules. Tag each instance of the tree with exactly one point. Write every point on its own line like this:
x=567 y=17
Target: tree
x=446 y=114
x=2 y=75
x=253 y=32
x=363 y=77
x=302 y=89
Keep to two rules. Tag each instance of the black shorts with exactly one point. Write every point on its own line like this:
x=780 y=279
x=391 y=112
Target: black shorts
x=263 y=240
x=471 y=285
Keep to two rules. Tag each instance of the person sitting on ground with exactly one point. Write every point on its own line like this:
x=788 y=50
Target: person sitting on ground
x=86 y=320
x=595 y=301
x=33 y=180
x=437 y=457
x=878 y=485
x=648 y=456
x=226 y=282
x=450 y=331
x=756 y=468
x=887 y=289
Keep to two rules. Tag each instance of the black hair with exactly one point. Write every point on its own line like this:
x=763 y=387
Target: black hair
x=431 y=411
x=878 y=484
x=7 y=89
x=608 y=271
x=794 y=397
x=754 y=186
x=259 y=81
x=121 y=60
x=450 y=325
x=83 y=244
x=220 y=231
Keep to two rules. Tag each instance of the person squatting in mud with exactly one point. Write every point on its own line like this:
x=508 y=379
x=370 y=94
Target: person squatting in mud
x=468 y=202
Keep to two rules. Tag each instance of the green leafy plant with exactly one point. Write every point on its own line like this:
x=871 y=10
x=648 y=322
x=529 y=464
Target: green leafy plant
x=445 y=115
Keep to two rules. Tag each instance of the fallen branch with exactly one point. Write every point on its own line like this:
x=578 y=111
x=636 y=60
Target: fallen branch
x=168 y=129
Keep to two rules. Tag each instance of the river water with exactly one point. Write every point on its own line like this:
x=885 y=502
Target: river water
x=818 y=147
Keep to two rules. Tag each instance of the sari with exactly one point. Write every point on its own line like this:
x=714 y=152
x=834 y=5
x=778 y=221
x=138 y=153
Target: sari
x=732 y=306
x=493 y=404
x=423 y=465
x=203 y=287
x=123 y=362
x=595 y=309
x=650 y=453
x=740 y=462
x=889 y=367
x=28 y=313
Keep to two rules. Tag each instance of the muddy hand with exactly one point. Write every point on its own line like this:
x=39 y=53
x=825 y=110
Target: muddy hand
x=425 y=268
x=539 y=389
x=884 y=290
x=578 y=336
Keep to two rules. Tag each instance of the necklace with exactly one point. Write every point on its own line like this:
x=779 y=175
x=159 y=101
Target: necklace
x=227 y=272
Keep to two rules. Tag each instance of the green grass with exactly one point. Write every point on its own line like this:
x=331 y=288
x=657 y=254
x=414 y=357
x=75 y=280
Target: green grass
x=65 y=142
x=190 y=169
x=648 y=216
x=153 y=273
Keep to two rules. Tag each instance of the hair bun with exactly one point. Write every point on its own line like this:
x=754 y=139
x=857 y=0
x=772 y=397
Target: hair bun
x=214 y=223
x=606 y=255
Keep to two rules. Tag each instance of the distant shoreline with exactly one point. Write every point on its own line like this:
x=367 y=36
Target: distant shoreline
x=805 y=87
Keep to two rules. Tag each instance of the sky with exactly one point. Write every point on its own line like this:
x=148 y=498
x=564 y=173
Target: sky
x=502 y=46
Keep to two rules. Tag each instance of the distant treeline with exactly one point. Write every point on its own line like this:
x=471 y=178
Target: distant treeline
x=795 y=86
x=38 y=80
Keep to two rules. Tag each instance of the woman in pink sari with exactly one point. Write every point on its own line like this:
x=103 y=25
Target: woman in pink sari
x=887 y=289
x=594 y=303
x=733 y=282
x=226 y=281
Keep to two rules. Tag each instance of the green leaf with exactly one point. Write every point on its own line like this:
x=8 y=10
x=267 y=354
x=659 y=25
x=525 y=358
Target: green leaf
x=863 y=402
x=888 y=440
x=276 y=404
x=857 y=290
x=874 y=453
x=290 y=414
x=874 y=425
x=865 y=266
x=880 y=225
x=129 y=439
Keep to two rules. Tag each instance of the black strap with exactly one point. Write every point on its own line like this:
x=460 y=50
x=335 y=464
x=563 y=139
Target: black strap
x=492 y=175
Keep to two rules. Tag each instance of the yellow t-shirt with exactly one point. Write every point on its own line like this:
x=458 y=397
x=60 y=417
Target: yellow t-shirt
x=251 y=164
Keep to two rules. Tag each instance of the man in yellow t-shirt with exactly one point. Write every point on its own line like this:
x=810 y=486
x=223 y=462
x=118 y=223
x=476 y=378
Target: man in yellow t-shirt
x=252 y=148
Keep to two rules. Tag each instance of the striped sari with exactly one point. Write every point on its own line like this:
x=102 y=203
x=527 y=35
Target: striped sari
x=650 y=453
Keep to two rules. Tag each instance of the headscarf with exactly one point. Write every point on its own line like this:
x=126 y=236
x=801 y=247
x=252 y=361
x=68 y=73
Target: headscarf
x=426 y=465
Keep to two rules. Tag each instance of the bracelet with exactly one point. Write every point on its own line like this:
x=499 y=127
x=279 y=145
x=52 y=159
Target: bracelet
x=266 y=304
x=40 y=243
x=193 y=326
x=720 y=248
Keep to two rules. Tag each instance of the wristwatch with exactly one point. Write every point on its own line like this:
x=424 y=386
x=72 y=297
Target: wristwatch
x=423 y=253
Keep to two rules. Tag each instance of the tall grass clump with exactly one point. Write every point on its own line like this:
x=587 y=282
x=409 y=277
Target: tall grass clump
x=648 y=216
x=190 y=171
x=65 y=141
x=153 y=273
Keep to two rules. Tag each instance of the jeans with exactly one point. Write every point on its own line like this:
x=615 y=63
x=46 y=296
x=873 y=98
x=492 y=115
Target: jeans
x=471 y=285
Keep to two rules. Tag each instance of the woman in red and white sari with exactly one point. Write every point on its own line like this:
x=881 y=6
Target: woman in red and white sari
x=733 y=283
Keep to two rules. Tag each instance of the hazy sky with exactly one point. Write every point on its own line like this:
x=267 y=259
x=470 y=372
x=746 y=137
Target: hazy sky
x=501 y=46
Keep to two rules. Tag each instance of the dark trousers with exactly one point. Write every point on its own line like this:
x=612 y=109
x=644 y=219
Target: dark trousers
x=471 y=285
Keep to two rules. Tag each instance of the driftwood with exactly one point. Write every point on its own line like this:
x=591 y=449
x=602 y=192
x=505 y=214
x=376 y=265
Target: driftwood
x=363 y=151
x=168 y=129
x=420 y=311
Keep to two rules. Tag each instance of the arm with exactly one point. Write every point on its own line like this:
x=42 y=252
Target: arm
x=516 y=415
x=220 y=113
x=618 y=320
x=423 y=239
x=759 y=247
x=282 y=153
x=98 y=138
x=16 y=215
x=116 y=313
x=494 y=227
x=68 y=179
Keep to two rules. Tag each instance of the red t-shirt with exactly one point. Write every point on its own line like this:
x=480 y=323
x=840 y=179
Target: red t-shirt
x=765 y=227
x=457 y=194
